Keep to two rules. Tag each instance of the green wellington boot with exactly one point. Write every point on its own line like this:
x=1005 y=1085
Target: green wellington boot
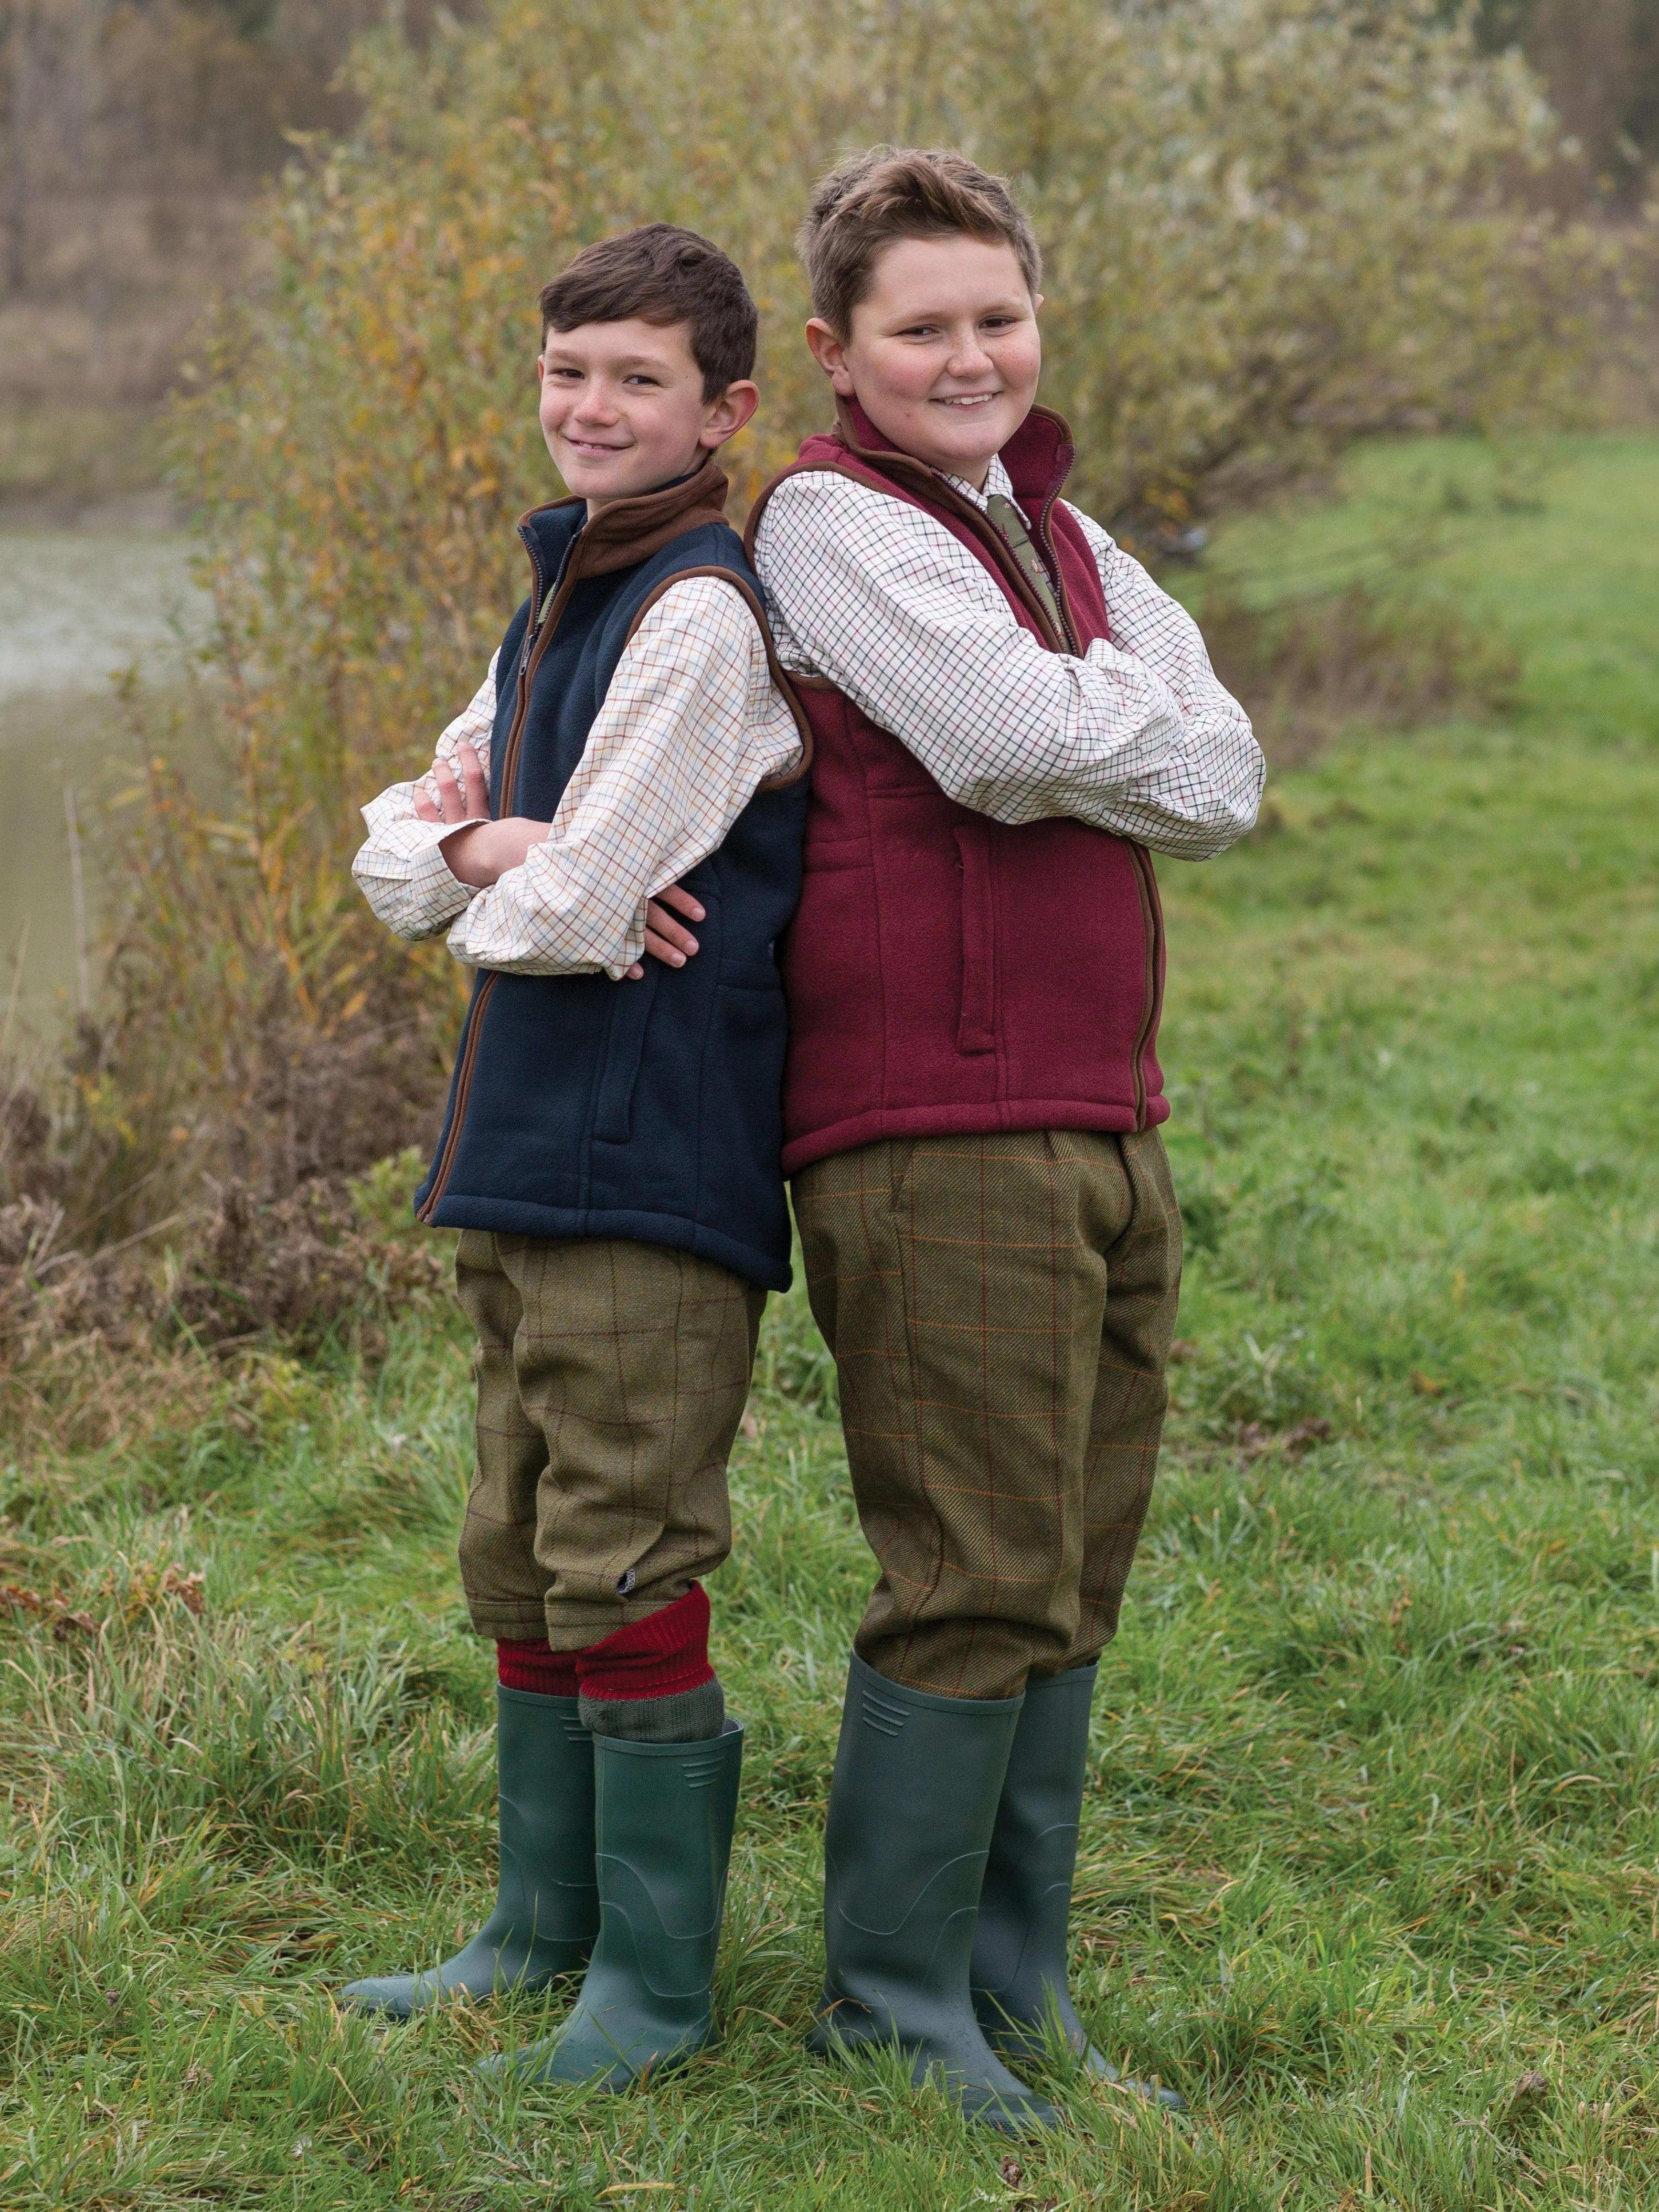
x=547 y=1909
x=665 y=1814
x=911 y=1809
x=1018 y=1971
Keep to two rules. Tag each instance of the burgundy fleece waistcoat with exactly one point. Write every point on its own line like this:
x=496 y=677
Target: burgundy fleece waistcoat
x=948 y=974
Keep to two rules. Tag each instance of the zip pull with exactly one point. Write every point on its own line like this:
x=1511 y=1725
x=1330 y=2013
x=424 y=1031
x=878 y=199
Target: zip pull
x=533 y=631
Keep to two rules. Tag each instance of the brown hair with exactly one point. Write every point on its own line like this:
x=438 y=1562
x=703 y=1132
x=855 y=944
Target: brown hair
x=892 y=192
x=664 y=275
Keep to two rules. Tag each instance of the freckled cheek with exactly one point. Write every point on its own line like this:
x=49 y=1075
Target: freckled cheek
x=907 y=377
x=1021 y=365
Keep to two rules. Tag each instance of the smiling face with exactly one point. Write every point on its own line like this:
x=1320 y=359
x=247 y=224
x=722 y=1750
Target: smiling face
x=622 y=408
x=943 y=355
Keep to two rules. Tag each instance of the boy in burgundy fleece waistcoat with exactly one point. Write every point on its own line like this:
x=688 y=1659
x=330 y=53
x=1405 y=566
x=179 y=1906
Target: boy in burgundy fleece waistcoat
x=1008 y=717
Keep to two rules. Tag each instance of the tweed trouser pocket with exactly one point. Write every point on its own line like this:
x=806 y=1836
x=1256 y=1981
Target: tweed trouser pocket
x=1001 y=1309
x=611 y=1378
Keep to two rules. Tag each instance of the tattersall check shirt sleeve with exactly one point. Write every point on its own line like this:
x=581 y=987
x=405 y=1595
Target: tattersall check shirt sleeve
x=691 y=724
x=1137 y=737
x=401 y=870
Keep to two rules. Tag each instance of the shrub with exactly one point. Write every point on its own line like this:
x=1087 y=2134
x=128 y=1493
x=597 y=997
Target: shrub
x=1304 y=669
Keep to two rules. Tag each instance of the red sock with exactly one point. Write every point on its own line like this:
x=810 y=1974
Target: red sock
x=531 y=1663
x=666 y=1652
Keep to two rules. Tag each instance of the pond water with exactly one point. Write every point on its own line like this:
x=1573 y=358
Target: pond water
x=81 y=597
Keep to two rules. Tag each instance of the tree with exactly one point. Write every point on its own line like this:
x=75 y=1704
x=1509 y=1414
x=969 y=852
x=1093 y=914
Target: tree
x=1601 y=61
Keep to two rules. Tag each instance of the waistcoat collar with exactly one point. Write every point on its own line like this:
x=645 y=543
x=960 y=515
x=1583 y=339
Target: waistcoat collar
x=1038 y=457
x=626 y=533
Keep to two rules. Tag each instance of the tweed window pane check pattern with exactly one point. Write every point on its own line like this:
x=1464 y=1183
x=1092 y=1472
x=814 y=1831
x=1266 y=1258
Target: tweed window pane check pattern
x=691 y=724
x=1138 y=737
x=1001 y=1309
x=611 y=1378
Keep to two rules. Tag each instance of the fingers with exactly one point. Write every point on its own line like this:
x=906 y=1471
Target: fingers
x=668 y=933
x=660 y=949
x=451 y=805
x=425 y=806
x=475 y=784
x=682 y=901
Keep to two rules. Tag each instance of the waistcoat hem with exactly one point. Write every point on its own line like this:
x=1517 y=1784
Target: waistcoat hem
x=522 y=1217
x=1006 y=1116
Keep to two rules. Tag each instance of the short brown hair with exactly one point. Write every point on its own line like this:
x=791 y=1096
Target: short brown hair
x=663 y=275
x=897 y=192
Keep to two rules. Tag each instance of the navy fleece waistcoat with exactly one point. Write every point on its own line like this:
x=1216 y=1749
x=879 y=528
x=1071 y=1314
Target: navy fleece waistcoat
x=582 y=1107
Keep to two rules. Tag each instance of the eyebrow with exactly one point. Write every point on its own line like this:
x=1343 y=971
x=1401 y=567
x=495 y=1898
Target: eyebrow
x=1010 y=306
x=653 y=361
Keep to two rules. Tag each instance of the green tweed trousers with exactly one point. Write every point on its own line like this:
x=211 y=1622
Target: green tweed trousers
x=611 y=1378
x=1001 y=1309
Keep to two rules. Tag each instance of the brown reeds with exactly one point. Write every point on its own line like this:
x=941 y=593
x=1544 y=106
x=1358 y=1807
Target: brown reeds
x=1307 y=670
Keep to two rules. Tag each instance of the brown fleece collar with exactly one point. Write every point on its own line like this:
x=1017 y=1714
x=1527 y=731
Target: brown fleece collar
x=629 y=531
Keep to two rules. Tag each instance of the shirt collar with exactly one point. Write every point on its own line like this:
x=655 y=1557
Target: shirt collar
x=997 y=481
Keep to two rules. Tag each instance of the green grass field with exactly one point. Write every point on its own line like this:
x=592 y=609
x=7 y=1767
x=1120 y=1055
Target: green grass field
x=1371 y=1867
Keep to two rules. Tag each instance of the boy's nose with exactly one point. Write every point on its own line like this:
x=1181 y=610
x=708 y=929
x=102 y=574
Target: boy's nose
x=968 y=357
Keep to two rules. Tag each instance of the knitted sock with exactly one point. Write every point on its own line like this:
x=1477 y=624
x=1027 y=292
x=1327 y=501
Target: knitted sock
x=651 y=1682
x=529 y=1663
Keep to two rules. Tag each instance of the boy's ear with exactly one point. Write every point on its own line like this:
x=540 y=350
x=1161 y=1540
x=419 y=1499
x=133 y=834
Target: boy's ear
x=830 y=351
x=727 y=415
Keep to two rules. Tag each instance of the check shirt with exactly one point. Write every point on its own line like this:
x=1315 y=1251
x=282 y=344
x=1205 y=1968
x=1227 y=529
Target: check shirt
x=691 y=724
x=1136 y=737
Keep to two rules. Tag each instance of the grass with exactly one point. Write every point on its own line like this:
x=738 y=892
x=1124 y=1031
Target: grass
x=1371 y=1865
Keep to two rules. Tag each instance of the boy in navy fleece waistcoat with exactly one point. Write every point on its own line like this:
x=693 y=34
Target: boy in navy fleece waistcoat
x=611 y=1151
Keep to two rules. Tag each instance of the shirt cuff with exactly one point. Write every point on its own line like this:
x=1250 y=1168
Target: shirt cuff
x=408 y=881
x=433 y=885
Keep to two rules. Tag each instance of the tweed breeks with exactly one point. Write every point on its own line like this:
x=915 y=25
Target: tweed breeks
x=1001 y=1309
x=611 y=1378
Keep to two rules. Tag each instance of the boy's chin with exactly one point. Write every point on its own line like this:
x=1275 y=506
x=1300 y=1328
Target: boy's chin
x=961 y=460
x=966 y=450
x=600 y=480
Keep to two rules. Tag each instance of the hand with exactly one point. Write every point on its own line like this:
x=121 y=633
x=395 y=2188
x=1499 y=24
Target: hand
x=457 y=802
x=481 y=853
x=664 y=938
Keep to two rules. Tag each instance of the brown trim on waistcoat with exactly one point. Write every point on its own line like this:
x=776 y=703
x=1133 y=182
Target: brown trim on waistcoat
x=621 y=535
x=784 y=683
x=928 y=488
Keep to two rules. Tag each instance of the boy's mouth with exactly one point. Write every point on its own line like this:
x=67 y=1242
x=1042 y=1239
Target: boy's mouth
x=592 y=445
x=967 y=400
